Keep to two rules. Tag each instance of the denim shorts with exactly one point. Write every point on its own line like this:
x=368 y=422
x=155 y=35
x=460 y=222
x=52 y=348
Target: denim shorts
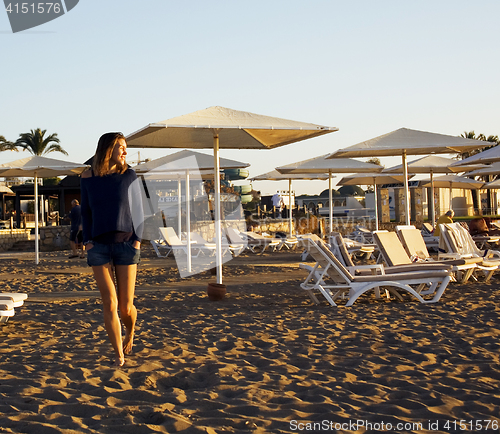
x=116 y=253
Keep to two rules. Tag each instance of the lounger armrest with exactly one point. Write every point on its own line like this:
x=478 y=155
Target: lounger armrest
x=373 y=268
x=442 y=255
x=418 y=275
x=417 y=267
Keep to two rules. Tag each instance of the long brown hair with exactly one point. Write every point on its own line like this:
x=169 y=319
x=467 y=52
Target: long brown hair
x=103 y=153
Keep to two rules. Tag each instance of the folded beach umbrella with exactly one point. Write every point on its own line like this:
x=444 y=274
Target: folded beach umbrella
x=180 y=165
x=432 y=164
x=323 y=165
x=372 y=179
x=40 y=167
x=407 y=142
x=274 y=175
x=220 y=127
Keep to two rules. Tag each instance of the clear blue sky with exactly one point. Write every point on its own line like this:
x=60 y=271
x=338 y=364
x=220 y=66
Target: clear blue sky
x=366 y=67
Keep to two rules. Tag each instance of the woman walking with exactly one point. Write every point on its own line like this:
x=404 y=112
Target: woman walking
x=112 y=221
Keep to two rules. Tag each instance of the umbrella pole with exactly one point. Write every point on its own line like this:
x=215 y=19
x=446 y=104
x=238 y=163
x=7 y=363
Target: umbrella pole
x=433 y=205
x=330 y=201
x=188 y=223
x=290 y=206
x=37 y=259
x=179 y=207
x=407 y=189
x=218 y=231
x=376 y=204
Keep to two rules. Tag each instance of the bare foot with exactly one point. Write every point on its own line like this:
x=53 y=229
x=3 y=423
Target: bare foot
x=119 y=361
x=128 y=343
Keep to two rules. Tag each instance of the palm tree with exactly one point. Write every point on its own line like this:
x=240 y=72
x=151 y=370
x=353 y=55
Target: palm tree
x=5 y=145
x=494 y=140
x=37 y=144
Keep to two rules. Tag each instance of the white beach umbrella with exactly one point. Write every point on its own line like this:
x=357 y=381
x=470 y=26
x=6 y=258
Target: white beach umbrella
x=491 y=155
x=219 y=127
x=274 y=175
x=407 y=142
x=372 y=179
x=453 y=181
x=40 y=167
x=323 y=165
x=491 y=169
x=179 y=165
x=432 y=164
x=492 y=185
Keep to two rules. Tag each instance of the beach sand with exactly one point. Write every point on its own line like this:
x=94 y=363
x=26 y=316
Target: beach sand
x=263 y=360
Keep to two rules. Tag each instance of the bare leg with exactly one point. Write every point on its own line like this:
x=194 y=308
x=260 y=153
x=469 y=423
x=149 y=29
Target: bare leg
x=125 y=278
x=104 y=277
x=73 y=248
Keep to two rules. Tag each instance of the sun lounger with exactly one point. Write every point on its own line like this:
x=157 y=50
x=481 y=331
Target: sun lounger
x=258 y=240
x=200 y=243
x=414 y=245
x=9 y=301
x=456 y=242
x=234 y=242
x=175 y=243
x=334 y=281
x=161 y=247
x=6 y=310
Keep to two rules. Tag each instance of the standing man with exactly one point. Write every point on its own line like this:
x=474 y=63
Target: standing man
x=277 y=204
x=76 y=235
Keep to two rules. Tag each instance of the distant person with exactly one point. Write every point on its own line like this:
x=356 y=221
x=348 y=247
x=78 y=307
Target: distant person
x=76 y=234
x=277 y=204
x=447 y=217
x=483 y=226
x=112 y=217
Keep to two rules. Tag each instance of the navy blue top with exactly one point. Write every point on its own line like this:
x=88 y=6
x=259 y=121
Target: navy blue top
x=112 y=208
x=76 y=217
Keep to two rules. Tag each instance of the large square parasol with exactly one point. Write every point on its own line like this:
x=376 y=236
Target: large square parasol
x=220 y=127
x=274 y=175
x=322 y=164
x=432 y=164
x=181 y=164
x=407 y=142
x=372 y=179
x=40 y=167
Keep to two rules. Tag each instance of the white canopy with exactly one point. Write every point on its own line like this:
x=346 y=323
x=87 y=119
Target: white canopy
x=407 y=142
x=492 y=169
x=220 y=127
x=432 y=164
x=183 y=160
x=40 y=167
x=322 y=164
x=372 y=179
x=274 y=175
x=489 y=156
x=237 y=129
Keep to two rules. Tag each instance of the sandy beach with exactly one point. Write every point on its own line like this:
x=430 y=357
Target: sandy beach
x=263 y=360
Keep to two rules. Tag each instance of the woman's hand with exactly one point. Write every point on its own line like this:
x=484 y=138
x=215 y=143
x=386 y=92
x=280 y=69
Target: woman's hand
x=136 y=245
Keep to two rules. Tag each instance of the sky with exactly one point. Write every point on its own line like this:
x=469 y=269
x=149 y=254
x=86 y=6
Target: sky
x=365 y=67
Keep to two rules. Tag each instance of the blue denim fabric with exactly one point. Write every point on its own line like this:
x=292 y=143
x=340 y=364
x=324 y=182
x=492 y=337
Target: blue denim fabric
x=116 y=253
